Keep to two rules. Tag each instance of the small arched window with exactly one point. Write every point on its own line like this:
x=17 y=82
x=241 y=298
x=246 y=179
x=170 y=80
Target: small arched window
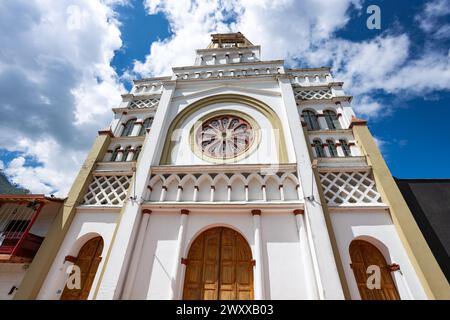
x=319 y=149
x=311 y=120
x=332 y=148
x=126 y=153
x=136 y=153
x=115 y=154
x=146 y=125
x=332 y=120
x=345 y=148
x=128 y=128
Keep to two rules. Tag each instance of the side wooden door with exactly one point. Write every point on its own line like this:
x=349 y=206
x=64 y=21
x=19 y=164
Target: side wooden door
x=88 y=260
x=363 y=254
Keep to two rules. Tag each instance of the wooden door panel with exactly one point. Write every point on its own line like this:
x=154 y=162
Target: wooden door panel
x=219 y=267
x=363 y=254
x=88 y=260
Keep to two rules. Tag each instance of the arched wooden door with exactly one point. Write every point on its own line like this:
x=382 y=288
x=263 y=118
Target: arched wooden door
x=87 y=260
x=219 y=267
x=363 y=255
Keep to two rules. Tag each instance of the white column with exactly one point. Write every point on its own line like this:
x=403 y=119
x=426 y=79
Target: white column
x=177 y=263
x=259 y=270
x=134 y=264
x=306 y=255
x=119 y=155
x=329 y=276
x=116 y=264
x=195 y=197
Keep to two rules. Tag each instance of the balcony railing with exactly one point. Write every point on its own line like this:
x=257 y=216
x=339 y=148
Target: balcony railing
x=224 y=184
x=16 y=220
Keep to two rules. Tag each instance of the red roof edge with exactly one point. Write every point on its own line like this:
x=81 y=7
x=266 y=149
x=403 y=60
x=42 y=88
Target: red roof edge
x=29 y=197
x=357 y=122
x=106 y=132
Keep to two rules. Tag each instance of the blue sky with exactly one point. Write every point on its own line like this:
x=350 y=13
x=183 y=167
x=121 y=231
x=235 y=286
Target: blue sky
x=63 y=67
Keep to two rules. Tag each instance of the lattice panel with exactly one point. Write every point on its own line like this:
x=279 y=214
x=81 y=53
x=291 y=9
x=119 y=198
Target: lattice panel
x=107 y=190
x=144 y=103
x=349 y=188
x=313 y=94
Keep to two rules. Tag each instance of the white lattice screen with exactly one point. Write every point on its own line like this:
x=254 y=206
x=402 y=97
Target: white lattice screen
x=144 y=103
x=313 y=94
x=107 y=190
x=349 y=187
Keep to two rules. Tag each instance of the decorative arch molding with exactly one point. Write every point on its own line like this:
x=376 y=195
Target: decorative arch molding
x=267 y=111
x=216 y=225
x=383 y=248
x=81 y=241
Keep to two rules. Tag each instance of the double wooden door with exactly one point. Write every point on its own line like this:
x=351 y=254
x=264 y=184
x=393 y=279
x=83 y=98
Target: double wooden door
x=87 y=260
x=219 y=267
x=363 y=255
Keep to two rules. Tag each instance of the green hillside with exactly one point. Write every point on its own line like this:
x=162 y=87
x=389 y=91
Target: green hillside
x=6 y=187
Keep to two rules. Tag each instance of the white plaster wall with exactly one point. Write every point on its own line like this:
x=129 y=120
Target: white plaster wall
x=11 y=274
x=285 y=276
x=283 y=270
x=377 y=228
x=153 y=277
x=45 y=219
x=85 y=226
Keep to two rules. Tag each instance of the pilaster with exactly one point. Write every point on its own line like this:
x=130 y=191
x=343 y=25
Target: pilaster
x=430 y=274
x=39 y=268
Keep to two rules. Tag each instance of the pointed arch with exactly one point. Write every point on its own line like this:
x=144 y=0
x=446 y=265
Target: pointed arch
x=188 y=183
x=255 y=183
x=273 y=188
x=237 y=181
x=204 y=183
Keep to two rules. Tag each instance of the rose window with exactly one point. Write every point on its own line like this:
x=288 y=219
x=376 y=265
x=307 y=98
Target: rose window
x=224 y=137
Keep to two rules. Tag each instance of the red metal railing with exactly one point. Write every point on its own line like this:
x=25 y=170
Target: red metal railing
x=16 y=220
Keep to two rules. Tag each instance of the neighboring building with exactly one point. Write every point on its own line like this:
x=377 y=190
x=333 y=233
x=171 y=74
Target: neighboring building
x=235 y=178
x=429 y=201
x=24 y=222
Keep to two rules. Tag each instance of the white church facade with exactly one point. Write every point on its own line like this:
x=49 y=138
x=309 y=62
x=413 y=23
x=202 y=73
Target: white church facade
x=235 y=178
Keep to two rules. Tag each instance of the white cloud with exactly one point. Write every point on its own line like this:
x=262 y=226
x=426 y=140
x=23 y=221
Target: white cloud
x=429 y=18
x=57 y=85
x=303 y=32
x=368 y=107
x=284 y=29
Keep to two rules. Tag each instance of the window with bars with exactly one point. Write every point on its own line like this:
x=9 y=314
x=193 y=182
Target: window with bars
x=128 y=128
x=332 y=148
x=318 y=148
x=345 y=148
x=136 y=153
x=146 y=125
x=310 y=118
x=115 y=154
x=332 y=120
x=126 y=153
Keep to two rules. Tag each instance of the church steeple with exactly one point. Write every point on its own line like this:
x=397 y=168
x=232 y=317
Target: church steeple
x=227 y=48
x=229 y=40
